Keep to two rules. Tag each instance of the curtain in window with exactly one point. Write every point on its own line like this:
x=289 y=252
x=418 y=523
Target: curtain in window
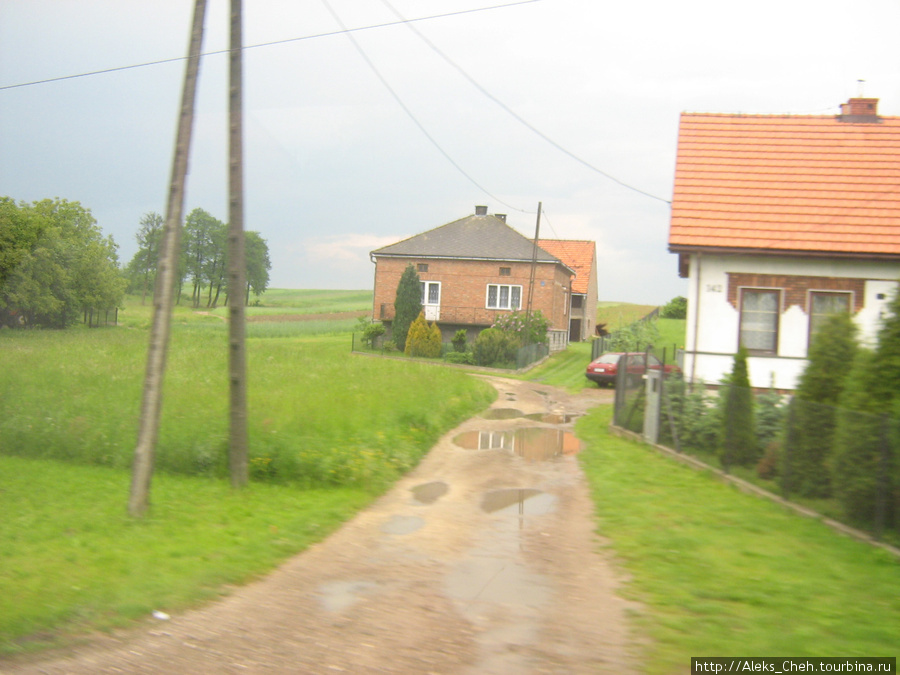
x=516 y=300
x=824 y=305
x=759 y=320
x=492 y=296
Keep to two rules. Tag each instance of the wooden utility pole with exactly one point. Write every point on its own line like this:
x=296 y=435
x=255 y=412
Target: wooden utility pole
x=534 y=250
x=237 y=362
x=151 y=405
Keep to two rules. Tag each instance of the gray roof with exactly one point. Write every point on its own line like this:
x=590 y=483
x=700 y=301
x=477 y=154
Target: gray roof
x=473 y=238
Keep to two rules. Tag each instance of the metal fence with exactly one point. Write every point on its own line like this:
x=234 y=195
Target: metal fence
x=840 y=461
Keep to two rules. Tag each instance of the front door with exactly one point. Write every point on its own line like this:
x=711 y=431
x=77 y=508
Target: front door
x=431 y=300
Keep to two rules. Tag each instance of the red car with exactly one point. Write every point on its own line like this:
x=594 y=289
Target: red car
x=605 y=368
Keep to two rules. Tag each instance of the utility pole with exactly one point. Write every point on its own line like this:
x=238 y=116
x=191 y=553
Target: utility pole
x=534 y=250
x=237 y=362
x=151 y=405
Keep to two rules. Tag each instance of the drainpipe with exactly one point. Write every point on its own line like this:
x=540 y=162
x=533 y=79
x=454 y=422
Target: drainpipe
x=696 y=322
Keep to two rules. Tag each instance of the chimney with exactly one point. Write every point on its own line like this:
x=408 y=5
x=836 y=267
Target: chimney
x=501 y=216
x=480 y=210
x=859 y=110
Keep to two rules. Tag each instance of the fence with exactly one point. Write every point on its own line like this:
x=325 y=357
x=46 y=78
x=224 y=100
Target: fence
x=842 y=461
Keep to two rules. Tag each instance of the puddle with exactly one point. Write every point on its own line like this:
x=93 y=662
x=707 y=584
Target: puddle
x=520 y=501
x=501 y=414
x=402 y=525
x=535 y=444
x=552 y=418
x=428 y=493
x=337 y=596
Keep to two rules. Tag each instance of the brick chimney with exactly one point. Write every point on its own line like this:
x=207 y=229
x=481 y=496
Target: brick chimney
x=859 y=110
x=480 y=210
x=501 y=216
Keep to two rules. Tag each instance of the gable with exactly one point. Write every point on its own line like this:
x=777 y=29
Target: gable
x=814 y=185
x=578 y=255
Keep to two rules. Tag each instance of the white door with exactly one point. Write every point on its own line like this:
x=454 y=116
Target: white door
x=431 y=300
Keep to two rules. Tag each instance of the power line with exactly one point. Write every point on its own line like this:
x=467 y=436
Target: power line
x=267 y=44
x=511 y=112
x=409 y=112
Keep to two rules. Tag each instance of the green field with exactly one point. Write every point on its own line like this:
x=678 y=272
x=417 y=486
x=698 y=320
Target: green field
x=716 y=572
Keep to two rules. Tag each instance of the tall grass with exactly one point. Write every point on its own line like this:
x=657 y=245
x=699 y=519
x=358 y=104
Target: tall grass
x=317 y=415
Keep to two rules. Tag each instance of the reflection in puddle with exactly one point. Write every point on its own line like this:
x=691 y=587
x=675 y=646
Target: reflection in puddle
x=535 y=444
x=552 y=418
x=501 y=413
x=428 y=493
x=402 y=525
x=521 y=501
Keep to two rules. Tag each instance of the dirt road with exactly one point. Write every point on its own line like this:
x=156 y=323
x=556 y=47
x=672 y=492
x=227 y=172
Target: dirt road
x=482 y=560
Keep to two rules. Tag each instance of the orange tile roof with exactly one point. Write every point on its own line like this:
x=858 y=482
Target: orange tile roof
x=577 y=254
x=809 y=184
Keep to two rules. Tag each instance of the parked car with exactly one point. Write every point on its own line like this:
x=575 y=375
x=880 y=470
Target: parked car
x=605 y=368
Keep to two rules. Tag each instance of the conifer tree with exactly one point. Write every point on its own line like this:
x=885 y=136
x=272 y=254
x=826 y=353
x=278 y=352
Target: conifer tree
x=739 y=443
x=407 y=306
x=831 y=352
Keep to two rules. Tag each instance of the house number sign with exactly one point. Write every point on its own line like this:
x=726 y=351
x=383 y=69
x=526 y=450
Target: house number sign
x=713 y=288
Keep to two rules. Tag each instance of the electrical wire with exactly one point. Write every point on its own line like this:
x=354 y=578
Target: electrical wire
x=266 y=44
x=511 y=112
x=409 y=112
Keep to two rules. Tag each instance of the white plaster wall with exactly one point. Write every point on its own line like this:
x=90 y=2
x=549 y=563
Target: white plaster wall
x=714 y=332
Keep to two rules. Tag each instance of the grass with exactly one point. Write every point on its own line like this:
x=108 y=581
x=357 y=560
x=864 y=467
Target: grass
x=721 y=573
x=564 y=369
x=71 y=561
x=617 y=315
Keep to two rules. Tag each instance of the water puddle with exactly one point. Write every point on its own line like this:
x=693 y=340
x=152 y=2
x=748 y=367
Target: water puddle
x=501 y=414
x=429 y=493
x=552 y=418
x=521 y=501
x=402 y=525
x=535 y=444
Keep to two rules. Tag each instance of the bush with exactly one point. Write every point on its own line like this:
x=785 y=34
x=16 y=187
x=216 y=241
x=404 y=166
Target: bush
x=495 y=347
x=371 y=331
x=459 y=357
x=635 y=337
x=423 y=339
x=530 y=329
x=459 y=340
x=676 y=308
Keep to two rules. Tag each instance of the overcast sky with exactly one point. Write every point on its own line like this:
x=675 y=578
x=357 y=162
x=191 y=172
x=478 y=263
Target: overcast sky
x=335 y=167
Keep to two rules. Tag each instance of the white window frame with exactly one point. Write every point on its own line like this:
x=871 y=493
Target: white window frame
x=746 y=325
x=425 y=286
x=816 y=320
x=499 y=293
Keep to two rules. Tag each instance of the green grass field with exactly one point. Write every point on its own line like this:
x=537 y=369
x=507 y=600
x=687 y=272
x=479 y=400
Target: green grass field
x=717 y=572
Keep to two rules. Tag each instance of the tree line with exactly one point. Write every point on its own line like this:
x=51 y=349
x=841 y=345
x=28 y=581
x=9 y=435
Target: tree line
x=56 y=264
x=203 y=260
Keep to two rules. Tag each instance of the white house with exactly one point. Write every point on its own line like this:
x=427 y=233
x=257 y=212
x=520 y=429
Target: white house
x=779 y=221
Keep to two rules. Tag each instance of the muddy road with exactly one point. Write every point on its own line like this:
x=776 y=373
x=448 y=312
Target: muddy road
x=483 y=559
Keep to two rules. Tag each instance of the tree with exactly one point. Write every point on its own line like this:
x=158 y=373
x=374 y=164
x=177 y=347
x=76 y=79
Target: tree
x=739 y=442
x=814 y=416
x=142 y=268
x=258 y=264
x=204 y=246
x=407 y=305
x=676 y=308
x=54 y=264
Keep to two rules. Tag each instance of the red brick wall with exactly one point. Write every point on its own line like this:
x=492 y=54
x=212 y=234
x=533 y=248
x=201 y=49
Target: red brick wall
x=795 y=287
x=464 y=288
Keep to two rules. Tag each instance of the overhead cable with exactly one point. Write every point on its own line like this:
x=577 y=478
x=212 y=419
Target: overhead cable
x=511 y=112
x=266 y=44
x=409 y=112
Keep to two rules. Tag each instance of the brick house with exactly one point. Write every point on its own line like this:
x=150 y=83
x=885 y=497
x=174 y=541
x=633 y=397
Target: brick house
x=779 y=221
x=581 y=256
x=474 y=269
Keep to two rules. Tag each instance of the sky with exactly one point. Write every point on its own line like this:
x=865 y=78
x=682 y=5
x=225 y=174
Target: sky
x=573 y=104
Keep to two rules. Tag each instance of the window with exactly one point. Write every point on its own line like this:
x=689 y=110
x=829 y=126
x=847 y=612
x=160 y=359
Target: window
x=431 y=292
x=822 y=305
x=505 y=271
x=759 y=320
x=577 y=301
x=422 y=267
x=504 y=297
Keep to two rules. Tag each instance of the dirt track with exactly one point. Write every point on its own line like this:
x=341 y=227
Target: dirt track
x=450 y=572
